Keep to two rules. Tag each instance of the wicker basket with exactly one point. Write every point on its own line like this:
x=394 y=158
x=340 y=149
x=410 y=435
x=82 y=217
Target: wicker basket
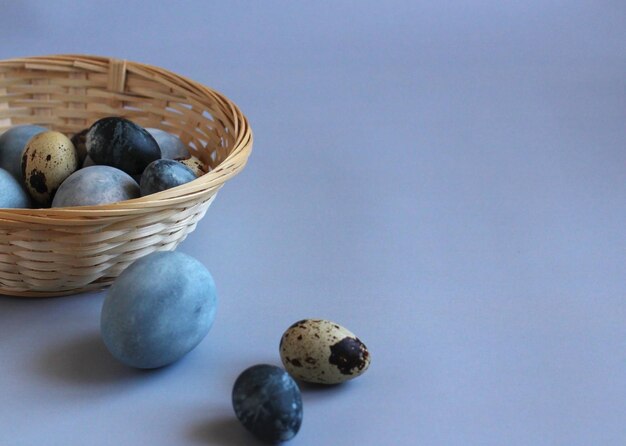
x=52 y=252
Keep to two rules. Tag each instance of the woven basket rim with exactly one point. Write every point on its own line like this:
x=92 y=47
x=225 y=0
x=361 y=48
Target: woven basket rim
x=207 y=183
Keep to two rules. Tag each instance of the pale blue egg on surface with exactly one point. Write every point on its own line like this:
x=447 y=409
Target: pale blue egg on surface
x=158 y=310
x=171 y=145
x=164 y=174
x=268 y=402
x=12 y=143
x=12 y=194
x=95 y=185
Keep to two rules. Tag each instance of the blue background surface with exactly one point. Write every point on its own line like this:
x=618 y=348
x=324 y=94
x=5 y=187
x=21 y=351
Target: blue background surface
x=444 y=178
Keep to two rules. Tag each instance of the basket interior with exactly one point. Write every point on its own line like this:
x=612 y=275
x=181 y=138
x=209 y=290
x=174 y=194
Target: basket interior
x=69 y=93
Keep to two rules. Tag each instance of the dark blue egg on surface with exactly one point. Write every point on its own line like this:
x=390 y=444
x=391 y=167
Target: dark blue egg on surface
x=158 y=310
x=121 y=143
x=267 y=401
x=164 y=174
x=12 y=143
x=12 y=195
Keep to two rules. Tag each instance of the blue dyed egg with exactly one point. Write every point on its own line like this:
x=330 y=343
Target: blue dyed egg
x=171 y=145
x=95 y=185
x=164 y=174
x=158 y=310
x=12 y=194
x=12 y=143
x=267 y=401
x=121 y=143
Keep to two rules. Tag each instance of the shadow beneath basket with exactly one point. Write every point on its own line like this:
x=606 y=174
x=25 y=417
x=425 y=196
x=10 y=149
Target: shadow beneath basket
x=222 y=431
x=86 y=361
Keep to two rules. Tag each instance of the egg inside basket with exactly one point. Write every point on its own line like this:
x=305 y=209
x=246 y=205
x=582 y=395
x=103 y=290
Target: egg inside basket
x=59 y=251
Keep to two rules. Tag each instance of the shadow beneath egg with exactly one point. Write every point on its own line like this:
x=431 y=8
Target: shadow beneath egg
x=86 y=361
x=223 y=431
x=312 y=393
x=306 y=387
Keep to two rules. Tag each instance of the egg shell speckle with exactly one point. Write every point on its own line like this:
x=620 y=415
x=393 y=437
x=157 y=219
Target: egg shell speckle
x=321 y=351
x=194 y=163
x=47 y=160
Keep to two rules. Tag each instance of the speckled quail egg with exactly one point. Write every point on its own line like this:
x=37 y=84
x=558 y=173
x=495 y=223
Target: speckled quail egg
x=95 y=185
x=47 y=160
x=118 y=142
x=194 y=163
x=12 y=144
x=321 y=351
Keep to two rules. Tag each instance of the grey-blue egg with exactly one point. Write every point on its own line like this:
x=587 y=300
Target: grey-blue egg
x=171 y=145
x=12 y=193
x=12 y=144
x=267 y=401
x=95 y=185
x=158 y=310
x=121 y=143
x=164 y=174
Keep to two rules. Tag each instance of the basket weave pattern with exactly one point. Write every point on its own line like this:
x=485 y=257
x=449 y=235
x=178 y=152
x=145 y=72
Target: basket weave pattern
x=49 y=252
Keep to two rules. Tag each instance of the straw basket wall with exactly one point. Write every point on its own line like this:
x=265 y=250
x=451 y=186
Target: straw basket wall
x=51 y=252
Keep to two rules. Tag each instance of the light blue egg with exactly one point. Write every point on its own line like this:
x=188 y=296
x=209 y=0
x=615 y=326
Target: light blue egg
x=158 y=310
x=95 y=185
x=12 y=144
x=171 y=146
x=12 y=194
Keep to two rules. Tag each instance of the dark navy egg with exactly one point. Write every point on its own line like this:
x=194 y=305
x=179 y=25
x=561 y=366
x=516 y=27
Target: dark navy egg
x=12 y=195
x=95 y=185
x=268 y=403
x=171 y=145
x=158 y=310
x=121 y=143
x=12 y=143
x=164 y=174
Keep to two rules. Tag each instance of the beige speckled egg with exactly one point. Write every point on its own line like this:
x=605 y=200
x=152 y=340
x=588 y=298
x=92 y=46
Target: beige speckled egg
x=321 y=351
x=47 y=160
x=194 y=164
